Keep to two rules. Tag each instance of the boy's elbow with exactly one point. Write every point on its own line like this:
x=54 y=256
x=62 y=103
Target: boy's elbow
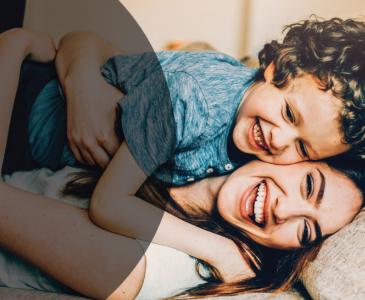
x=76 y=35
x=98 y=210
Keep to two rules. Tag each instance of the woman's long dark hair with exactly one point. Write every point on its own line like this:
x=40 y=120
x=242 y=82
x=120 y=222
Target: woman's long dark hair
x=275 y=270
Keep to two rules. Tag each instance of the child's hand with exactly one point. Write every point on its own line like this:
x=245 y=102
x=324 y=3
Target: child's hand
x=91 y=101
x=91 y=115
x=41 y=47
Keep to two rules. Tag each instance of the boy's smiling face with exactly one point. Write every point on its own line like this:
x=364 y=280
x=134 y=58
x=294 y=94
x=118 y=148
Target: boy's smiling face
x=295 y=123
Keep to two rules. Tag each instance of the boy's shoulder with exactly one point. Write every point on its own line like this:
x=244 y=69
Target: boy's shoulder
x=218 y=75
x=195 y=60
x=205 y=86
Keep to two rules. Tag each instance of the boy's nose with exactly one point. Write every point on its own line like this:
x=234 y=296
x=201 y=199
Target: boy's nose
x=280 y=139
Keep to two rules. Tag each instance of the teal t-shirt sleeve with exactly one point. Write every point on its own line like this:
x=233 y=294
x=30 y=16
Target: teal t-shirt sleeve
x=161 y=117
x=128 y=71
x=148 y=122
x=189 y=107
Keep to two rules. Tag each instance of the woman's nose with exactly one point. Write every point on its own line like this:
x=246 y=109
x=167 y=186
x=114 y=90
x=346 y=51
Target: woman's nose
x=284 y=209
x=281 y=138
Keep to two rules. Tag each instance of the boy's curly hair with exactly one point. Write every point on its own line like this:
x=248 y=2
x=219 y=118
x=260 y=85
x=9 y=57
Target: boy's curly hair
x=334 y=52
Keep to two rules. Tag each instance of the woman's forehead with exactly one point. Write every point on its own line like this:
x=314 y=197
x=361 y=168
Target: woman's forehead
x=341 y=201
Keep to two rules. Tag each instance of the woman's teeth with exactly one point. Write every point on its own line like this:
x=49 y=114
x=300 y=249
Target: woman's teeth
x=258 y=136
x=259 y=203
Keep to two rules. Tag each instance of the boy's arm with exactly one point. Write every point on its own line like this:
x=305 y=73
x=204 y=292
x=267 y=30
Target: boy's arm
x=114 y=208
x=82 y=51
x=91 y=101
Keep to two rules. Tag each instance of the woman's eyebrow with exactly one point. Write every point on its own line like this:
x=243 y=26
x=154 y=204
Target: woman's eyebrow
x=318 y=231
x=321 y=189
x=318 y=201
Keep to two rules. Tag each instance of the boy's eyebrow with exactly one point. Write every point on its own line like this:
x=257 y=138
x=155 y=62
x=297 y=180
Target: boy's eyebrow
x=300 y=120
x=313 y=153
x=298 y=115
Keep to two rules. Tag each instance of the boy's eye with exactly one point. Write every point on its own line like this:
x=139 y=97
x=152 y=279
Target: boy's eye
x=309 y=185
x=289 y=113
x=303 y=149
x=305 y=234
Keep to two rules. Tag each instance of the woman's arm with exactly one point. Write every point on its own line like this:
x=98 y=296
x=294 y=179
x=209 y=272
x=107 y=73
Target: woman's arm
x=15 y=45
x=115 y=208
x=58 y=238
x=91 y=101
x=61 y=240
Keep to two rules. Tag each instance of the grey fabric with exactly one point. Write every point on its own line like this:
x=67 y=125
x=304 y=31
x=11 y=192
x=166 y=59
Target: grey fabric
x=290 y=295
x=338 y=272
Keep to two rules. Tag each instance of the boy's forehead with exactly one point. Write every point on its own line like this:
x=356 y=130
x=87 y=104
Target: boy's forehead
x=311 y=99
x=306 y=82
x=318 y=116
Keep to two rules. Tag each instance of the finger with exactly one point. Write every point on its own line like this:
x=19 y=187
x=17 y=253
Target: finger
x=100 y=156
x=77 y=154
x=87 y=156
x=111 y=145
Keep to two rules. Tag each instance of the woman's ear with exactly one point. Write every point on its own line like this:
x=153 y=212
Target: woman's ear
x=269 y=72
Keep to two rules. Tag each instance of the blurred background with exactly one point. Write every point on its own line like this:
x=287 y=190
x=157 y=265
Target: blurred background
x=236 y=27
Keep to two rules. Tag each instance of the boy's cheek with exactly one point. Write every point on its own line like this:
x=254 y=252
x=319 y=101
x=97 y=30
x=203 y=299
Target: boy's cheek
x=282 y=159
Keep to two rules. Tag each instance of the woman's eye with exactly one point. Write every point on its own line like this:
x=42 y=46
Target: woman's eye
x=306 y=234
x=289 y=114
x=309 y=185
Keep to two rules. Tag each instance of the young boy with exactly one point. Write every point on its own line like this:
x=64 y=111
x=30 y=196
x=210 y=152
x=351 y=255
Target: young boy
x=305 y=101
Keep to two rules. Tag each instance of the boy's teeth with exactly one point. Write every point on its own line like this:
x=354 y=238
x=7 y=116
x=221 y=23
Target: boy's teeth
x=258 y=135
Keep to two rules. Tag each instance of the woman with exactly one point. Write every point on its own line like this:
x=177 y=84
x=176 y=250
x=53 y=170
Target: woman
x=263 y=214
x=275 y=253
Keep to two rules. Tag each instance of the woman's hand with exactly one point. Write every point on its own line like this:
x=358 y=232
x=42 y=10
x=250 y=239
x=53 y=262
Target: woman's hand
x=91 y=101
x=15 y=45
x=36 y=45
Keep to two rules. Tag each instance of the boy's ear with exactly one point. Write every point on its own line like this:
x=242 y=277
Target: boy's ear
x=269 y=72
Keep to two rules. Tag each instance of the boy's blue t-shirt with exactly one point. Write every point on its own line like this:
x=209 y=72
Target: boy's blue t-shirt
x=177 y=112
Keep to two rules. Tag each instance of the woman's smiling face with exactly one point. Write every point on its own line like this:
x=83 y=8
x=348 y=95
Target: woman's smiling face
x=287 y=207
